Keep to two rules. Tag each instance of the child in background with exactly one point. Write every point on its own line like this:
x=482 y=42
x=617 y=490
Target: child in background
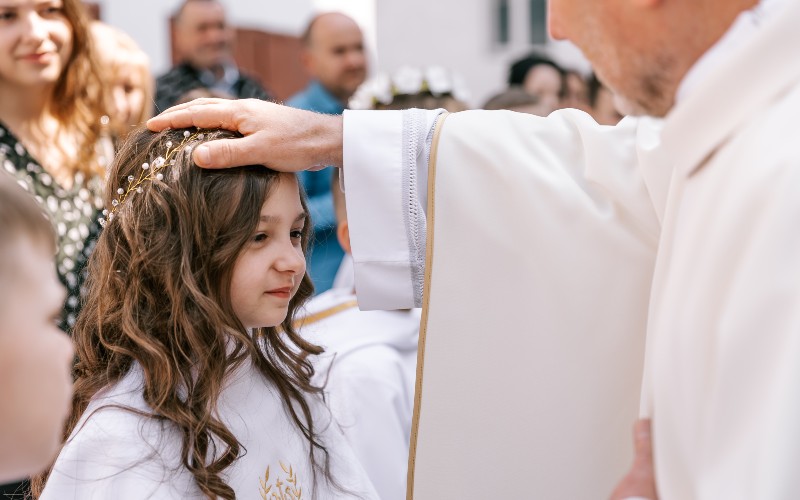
x=35 y=356
x=370 y=366
x=191 y=381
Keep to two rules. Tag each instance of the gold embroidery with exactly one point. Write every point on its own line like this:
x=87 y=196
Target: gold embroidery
x=286 y=489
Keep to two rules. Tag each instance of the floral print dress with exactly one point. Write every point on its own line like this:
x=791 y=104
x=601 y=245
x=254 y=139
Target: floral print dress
x=74 y=212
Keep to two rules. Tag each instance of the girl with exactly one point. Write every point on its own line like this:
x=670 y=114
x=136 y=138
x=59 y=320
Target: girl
x=190 y=380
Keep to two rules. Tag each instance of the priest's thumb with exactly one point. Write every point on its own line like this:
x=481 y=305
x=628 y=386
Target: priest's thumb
x=639 y=483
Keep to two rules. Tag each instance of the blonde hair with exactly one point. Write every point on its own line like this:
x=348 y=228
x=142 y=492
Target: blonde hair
x=117 y=51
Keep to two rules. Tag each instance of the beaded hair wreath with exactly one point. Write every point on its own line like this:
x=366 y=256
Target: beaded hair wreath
x=148 y=173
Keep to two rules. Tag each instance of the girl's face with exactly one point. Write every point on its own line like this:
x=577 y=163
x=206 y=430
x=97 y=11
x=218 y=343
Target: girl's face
x=128 y=97
x=269 y=269
x=35 y=41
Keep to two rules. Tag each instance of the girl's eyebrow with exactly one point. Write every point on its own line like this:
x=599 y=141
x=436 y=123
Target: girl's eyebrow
x=271 y=219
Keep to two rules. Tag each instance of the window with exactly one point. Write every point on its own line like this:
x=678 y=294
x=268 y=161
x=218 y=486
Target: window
x=538 y=21
x=502 y=21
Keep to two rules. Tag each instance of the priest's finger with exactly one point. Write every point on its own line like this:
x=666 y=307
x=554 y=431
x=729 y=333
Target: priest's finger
x=639 y=482
x=643 y=442
x=202 y=113
x=225 y=153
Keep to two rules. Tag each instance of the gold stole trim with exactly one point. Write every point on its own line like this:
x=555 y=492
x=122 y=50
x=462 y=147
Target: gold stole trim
x=324 y=314
x=426 y=297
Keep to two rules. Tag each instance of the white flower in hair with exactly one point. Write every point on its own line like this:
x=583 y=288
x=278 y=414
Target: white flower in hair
x=438 y=80
x=382 y=89
x=408 y=81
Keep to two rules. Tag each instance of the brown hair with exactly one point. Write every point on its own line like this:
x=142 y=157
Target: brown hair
x=424 y=100
x=77 y=100
x=169 y=308
x=20 y=216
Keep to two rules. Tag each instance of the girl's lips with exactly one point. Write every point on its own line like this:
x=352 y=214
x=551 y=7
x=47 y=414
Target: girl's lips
x=283 y=293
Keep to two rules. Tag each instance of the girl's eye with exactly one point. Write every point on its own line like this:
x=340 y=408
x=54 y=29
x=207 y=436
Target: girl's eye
x=7 y=15
x=296 y=235
x=258 y=238
x=53 y=11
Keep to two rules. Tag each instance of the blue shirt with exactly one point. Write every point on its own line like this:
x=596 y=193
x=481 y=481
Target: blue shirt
x=326 y=254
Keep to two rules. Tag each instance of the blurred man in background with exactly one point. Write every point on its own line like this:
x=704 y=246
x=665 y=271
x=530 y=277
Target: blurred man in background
x=334 y=57
x=204 y=39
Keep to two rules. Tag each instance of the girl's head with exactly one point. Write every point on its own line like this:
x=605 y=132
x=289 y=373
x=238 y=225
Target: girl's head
x=127 y=77
x=195 y=272
x=35 y=356
x=235 y=236
x=45 y=44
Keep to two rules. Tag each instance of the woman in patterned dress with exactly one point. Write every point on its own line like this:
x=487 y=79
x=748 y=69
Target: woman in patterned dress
x=50 y=110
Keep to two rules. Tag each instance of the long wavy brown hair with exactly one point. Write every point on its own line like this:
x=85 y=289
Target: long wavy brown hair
x=159 y=295
x=77 y=100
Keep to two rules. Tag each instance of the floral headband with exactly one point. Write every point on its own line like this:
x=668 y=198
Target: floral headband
x=148 y=173
x=383 y=88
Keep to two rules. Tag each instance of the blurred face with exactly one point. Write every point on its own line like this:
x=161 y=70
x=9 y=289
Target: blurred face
x=577 y=95
x=335 y=55
x=203 y=36
x=35 y=363
x=605 y=112
x=544 y=82
x=128 y=97
x=35 y=42
x=628 y=56
x=268 y=271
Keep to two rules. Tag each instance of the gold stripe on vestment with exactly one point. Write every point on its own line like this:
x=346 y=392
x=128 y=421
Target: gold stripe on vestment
x=426 y=296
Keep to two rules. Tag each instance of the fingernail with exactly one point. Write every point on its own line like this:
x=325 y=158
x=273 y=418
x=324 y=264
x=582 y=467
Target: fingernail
x=202 y=155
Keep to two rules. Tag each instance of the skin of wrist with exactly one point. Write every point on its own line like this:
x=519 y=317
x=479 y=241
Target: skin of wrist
x=329 y=133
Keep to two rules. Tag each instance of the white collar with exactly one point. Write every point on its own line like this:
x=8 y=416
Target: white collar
x=741 y=31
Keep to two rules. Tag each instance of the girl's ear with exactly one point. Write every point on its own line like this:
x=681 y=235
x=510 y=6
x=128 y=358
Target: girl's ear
x=343 y=235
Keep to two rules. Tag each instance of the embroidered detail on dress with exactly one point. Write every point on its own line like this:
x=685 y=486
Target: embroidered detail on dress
x=285 y=487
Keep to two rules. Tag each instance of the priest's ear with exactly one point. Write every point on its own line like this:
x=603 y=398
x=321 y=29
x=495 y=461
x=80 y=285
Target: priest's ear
x=340 y=209
x=343 y=235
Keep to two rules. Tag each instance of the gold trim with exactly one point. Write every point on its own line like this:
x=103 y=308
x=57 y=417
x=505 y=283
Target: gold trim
x=324 y=314
x=426 y=297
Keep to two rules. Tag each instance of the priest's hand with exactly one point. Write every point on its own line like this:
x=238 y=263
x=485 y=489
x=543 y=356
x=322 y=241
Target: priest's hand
x=276 y=136
x=639 y=483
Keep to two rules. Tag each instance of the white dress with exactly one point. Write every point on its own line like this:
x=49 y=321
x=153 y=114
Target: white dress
x=369 y=367
x=116 y=454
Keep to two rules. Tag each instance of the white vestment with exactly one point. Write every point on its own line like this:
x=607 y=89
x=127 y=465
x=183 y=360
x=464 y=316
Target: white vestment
x=556 y=245
x=369 y=371
x=116 y=454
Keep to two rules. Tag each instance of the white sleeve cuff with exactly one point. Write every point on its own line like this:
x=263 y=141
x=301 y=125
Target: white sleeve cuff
x=385 y=166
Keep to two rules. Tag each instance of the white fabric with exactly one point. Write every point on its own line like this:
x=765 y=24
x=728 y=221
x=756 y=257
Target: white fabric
x=543 y=250
x=723 y=319
x=724 y=336
x=114 y=453
x=379 y=215
x=370 y=369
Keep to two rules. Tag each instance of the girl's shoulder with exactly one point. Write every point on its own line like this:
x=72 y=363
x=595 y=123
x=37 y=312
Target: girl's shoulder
x=117 y=451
